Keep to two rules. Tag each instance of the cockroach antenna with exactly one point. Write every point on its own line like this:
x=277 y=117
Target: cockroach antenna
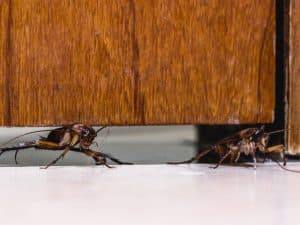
x=282 y=167
x=17 y=148
x=282 y=130
x=15 y=138
x=100 y=129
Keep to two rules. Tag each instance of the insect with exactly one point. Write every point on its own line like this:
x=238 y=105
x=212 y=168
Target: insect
x=75 y=137
x=248 y=142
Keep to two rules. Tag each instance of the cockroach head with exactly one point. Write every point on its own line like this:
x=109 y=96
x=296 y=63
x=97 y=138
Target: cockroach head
x=258 y=134
x=87 y=134
x=84 y=131
x=262 y=128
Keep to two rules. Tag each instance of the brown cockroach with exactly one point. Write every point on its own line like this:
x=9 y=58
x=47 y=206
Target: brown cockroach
x=75 y=137
x=247 y=142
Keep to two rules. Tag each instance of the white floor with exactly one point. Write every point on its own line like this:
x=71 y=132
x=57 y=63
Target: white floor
x=150 y=194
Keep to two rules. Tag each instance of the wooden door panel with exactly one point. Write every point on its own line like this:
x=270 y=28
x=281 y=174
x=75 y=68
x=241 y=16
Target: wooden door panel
x=137 y=61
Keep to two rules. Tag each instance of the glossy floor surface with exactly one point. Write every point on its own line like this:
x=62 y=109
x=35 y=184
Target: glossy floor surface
x=150 y=194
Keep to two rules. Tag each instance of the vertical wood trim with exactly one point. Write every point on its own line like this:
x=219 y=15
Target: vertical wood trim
x=293 y=72
x=5 y=59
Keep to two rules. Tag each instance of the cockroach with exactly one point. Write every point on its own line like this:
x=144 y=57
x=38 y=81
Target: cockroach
x=247 y=142
x=75 y=137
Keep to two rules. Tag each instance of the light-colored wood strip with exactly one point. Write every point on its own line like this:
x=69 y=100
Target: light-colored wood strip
x=293 y=109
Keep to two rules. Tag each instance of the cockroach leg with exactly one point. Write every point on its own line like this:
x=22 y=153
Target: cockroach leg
x=97 y=155
x=105 y=163
x=222 y=159
x=61 y=156
x=48 y=145
x=282 y=167
x=195 y=158
x=17 y=149
x=264 y=158
x=105 y=155
x=278 y=149
x=283 y=156
x=237 y=157
x=92 y=153
x=99 y=160
x=16 y=153
x=254 y=159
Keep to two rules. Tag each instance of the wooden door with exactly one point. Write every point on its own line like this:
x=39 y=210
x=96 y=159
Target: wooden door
x=136 y=62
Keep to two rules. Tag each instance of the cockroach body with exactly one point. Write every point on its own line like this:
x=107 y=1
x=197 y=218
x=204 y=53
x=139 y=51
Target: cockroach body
x=247 y=142
x=76 y=137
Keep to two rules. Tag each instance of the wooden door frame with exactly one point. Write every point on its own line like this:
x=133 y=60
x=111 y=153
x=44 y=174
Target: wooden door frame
x=292 y=70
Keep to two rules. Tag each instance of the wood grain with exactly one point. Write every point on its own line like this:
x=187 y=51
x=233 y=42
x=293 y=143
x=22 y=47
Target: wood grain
x=4 y=61
x=136 y=61
x=293 y=109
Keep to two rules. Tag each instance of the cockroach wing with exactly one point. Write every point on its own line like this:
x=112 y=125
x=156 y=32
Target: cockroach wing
x=237 y=137
x=56 y=135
